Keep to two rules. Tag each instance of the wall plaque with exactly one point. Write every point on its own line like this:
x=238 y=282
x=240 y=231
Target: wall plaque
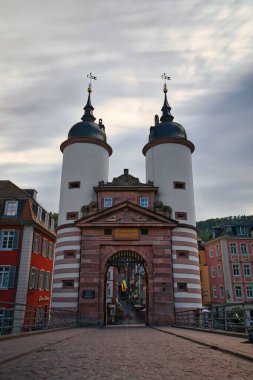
x=88 y=294
x=126 y=233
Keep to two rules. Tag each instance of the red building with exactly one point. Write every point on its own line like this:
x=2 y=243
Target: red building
x=229 y=256
x=26 y=258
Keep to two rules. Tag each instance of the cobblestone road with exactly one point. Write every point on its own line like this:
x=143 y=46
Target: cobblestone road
x=126 y=353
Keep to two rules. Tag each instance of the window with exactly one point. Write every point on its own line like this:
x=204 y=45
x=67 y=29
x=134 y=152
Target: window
x=241 y=230
x=211 y=253
x=238 y=291
x=72 y=215
x=7 y=277
x=47 y=220
x=214 y=291
x=47 y=280
x=107 y=231
x=107 y=202
x=217 y=249
x=143 y=201
x=74 y=185
x=212 y=272
x=244 y=249
x=236 y=270
x=50 y=250
x=246 y=270
x=6 y=321
x=219 y=271
x=233 y=248
x=45 y=248
x=181 y=215
x=179 y=185
x=9 y=239
x=33 y=278
x=249 y=290
x=41 y=280
x=4 y=276
x=182 y=286
x=69 y=253
x=68 y=283
x=52 y=224
x=11 y=208
x=221 y=291
x=144 y=231
x=182 y=254
x=36 y=243
x=39 y=213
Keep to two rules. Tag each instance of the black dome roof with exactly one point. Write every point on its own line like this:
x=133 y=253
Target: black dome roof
x=88 y=129
x=166 y=127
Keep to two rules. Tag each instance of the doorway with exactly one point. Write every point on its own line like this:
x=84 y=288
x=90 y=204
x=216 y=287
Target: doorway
x=126 y=289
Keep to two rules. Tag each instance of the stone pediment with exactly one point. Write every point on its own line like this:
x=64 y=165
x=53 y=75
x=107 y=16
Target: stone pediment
x=125 y=213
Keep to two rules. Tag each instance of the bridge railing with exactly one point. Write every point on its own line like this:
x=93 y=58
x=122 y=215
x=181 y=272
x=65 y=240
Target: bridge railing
x=18 y=318
x=232 y=317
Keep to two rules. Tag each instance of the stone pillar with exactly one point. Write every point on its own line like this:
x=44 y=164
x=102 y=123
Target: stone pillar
x=89 y=284
x=163 y=285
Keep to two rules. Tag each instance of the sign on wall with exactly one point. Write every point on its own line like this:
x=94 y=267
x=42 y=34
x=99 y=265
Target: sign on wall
x=126 y=233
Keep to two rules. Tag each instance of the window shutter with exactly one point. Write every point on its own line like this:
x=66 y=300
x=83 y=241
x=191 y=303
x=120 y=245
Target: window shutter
x=12 y=277
x=2 y=207
x=15 y=240
x=21 y=205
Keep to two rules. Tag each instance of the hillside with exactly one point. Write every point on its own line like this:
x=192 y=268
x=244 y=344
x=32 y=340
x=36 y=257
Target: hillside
x=204 y=227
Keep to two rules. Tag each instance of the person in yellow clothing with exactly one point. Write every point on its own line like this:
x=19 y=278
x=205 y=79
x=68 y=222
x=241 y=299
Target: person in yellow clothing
x=123 y=286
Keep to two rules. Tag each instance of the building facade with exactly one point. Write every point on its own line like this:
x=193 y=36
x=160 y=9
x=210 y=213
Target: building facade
x=146 y=232
x=204 y=275
x=229 y=256
x=27 y=240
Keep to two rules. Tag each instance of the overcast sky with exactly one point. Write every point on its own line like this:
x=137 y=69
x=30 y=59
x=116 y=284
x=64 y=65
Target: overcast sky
x=47 y=48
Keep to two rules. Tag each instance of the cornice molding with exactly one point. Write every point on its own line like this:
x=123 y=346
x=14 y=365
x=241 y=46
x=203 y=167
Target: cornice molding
x=168 y=140
x=85 y=140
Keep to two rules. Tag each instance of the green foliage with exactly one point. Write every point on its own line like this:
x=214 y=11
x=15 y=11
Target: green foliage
x=205 y=227
x=55 y=217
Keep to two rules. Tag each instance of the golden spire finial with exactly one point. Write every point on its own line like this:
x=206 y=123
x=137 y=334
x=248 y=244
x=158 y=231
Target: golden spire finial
x=165 y=77
x=91 y=77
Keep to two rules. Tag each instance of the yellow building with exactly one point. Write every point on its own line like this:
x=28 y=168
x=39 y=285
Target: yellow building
x=204 y=276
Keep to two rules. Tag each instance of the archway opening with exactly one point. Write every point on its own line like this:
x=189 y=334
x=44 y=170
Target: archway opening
x=126 y=289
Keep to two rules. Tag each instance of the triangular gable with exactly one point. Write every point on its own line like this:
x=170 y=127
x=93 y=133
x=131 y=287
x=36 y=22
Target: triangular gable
x=125 y=213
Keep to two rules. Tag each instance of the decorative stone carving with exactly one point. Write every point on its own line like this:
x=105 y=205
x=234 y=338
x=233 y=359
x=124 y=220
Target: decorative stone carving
x=125 y=179
x=162 y=209
x=89 y=209
x=113 y=218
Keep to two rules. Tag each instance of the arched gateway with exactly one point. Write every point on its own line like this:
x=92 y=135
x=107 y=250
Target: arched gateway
x=126 y=289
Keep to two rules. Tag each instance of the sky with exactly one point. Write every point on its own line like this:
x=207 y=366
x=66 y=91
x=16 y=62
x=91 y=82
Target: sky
x=48 y=47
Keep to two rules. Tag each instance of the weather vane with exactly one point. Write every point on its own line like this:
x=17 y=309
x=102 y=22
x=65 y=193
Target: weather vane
x=165 y=77
x=92 y=77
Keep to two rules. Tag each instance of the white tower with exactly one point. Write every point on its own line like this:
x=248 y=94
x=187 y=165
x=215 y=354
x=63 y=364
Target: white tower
x=85 y=163
x=169 y=166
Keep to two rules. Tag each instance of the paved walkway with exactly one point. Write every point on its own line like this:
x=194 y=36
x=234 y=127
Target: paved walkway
x=234 y=345
x=123 y=353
